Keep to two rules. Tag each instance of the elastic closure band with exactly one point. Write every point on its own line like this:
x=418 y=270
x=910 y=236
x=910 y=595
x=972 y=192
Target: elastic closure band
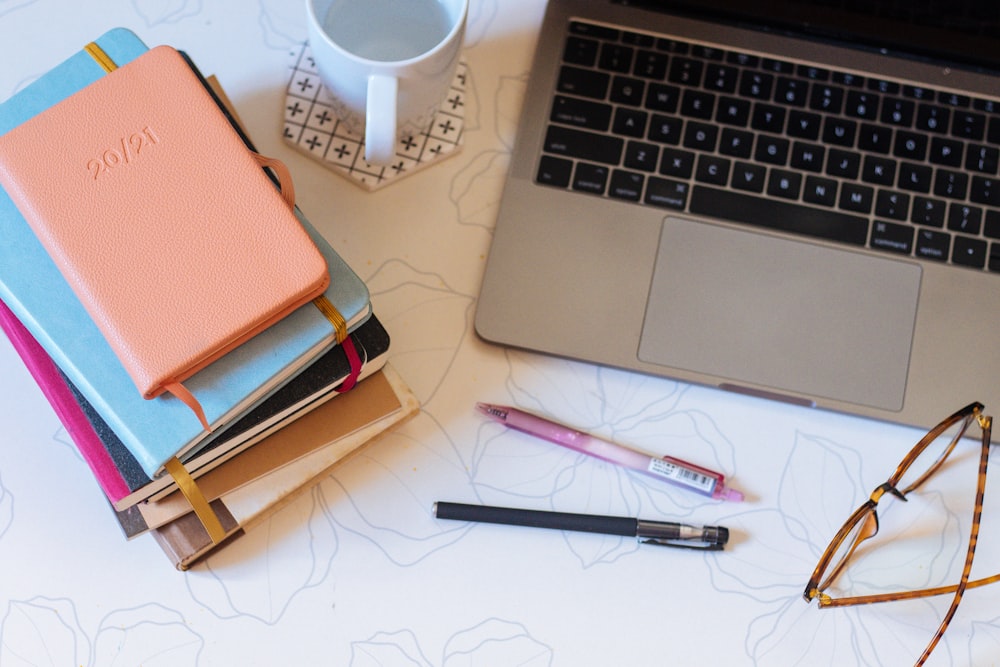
x=102 y=58
x=331 y=313
x=196 y=498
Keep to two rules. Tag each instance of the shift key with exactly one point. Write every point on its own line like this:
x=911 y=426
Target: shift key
x=583 y=145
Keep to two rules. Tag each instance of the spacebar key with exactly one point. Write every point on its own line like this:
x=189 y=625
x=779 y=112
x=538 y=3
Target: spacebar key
x=779 y=215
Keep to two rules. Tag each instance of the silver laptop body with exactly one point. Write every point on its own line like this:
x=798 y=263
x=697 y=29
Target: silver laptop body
x=646 y=262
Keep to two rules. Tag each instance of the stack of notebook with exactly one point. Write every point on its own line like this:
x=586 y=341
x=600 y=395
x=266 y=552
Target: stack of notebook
x=179 y=312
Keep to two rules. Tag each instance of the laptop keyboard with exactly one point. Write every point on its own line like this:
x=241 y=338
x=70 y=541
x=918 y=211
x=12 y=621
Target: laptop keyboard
x=868 y=162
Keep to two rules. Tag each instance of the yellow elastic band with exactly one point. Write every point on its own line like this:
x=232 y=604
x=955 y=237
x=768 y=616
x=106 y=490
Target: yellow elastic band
x=102 y=58
x=331 y=313
x=199 y=504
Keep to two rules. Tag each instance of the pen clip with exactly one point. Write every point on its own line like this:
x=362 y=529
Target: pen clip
x=682 y=544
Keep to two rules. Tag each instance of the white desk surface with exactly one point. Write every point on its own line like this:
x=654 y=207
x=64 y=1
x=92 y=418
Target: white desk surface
x=358 y=572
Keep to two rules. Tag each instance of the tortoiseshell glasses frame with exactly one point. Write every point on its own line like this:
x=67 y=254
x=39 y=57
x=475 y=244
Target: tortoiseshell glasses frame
x=926 y=458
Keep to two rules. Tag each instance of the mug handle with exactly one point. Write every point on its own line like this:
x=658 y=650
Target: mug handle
x=380 y=119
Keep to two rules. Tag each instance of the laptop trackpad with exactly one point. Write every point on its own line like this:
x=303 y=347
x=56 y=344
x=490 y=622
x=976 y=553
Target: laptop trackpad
x=789 y=315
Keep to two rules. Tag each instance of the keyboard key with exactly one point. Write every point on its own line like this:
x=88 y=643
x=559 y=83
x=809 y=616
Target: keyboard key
x=892 y=237
x=638 y=39
x=946 y=152
x=583 y=82
x=874 y=138
x=927 y=211
x=701 y=136
x=862 y=104
x=721 y=78
x=793 y=92
x=813 y=73
x=756 y=85
x=591 y=30
x=677 y=163
x=708 y=52
x=969 y=252
x=891 y=204
x=991 y=226
x=686 y=71
x=750 y=177
x=590 y=178
x=697 y=104
x=856 y=198
x=915 y=177
x=779 y=215
x=712 y=170
x=954 y=100
x=643 y=156
x=965 y=219
x=583 y=145
x=878 y=170
x=898 y=112
x=982 y=159
x=933 y=245
x=784 y=184
x=554 y=171
x=969 y=125
x=839 y=131
x=650 y=65
x=733 y=111
x=666 y=193
x=843 y=164
x=626 y=185
x=808 y=157
x=804 y=125
x=616 y=58
x=772 y=150
x=848 y=79
x=736 y=143
x=661 y=97
x=951 y=184
x=625 y=90
x=932 y=118
x=581 y=113
x=665 y=129
x=910 y=146
x=777 y=66
x=581 y=51
x=768 y=118
x=630 y=122
x=826 y=98
x=820 y=191
x=993 y=263
x=742 y=59
x=985 y=191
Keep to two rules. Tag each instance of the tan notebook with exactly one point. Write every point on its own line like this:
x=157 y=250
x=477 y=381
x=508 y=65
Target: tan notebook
x=163 y=223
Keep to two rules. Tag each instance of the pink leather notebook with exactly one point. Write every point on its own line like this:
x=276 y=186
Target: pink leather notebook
x=160 y=219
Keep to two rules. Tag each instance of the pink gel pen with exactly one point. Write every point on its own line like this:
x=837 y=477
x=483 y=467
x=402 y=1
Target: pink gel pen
x=670 y=469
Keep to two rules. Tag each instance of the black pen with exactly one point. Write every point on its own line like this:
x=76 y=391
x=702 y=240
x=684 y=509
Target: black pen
x=662 y=533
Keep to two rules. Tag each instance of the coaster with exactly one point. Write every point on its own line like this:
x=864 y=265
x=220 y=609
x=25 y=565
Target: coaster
x=312 y=127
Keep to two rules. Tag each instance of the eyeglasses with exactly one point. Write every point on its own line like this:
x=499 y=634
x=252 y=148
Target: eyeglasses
x=926 y=458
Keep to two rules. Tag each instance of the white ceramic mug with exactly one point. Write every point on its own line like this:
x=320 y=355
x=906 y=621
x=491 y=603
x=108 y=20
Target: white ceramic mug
x=388 y=64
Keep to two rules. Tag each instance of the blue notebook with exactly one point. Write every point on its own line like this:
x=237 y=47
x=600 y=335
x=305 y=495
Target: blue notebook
x=34 y=289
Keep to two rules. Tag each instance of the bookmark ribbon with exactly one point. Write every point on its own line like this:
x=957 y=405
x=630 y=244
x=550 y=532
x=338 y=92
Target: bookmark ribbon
x=197 y=499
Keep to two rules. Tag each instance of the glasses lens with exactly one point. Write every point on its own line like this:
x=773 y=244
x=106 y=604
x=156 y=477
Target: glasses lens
x=863 y=526
x=929 y=454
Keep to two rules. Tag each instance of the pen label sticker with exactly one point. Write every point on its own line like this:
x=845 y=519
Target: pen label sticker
x=675 y=473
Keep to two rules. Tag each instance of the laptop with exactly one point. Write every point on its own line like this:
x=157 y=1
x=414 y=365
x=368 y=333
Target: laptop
x=796 y=200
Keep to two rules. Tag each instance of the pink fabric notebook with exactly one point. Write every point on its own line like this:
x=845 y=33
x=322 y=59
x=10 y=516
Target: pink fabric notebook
x=47 y=376
x=163 y=223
